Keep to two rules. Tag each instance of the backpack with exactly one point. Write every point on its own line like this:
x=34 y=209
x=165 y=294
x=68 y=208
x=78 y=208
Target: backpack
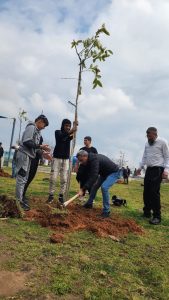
x=118 y=201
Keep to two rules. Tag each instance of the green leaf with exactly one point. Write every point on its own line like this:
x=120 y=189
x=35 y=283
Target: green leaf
x=73 y=44
x=111 y=52
x=99 y=83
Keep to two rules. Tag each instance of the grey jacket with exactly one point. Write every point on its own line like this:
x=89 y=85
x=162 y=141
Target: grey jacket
x=30 y=140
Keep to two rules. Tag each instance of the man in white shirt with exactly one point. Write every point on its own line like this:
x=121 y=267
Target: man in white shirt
x=156 y=159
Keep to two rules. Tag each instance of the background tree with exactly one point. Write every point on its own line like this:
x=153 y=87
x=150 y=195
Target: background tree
x=89 y=52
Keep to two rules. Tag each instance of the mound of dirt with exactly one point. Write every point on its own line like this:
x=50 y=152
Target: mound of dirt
x=4 y=174
x=11 y=283
x=78 y=218
x=9 y=207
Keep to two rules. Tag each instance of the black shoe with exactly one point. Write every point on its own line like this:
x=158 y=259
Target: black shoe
x=25 y=206
x=50 y=199
x=155 y=221
x=105 y=214
x=61 y=200
x=88 y=206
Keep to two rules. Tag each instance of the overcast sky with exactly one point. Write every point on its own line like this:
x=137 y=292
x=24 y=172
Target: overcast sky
x=35 y=53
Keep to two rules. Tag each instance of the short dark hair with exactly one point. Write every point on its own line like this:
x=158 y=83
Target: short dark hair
x=150 y=129
x=43 y=118
x=88 y=138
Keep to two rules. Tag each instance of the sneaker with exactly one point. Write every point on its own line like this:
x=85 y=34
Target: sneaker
x=61 y=200
x=105 y=214
x=50 y=199
x=155 y=221
x=88 y=206
x=25 y=206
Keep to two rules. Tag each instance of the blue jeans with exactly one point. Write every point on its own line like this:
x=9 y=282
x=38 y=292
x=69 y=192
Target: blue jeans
x=105 y=184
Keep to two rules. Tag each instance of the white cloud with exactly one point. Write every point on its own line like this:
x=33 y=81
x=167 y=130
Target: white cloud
x=104 y=104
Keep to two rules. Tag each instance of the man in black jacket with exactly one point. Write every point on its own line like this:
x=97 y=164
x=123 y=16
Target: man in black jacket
x=101 y=172
x=88 y=145
x=61 y=156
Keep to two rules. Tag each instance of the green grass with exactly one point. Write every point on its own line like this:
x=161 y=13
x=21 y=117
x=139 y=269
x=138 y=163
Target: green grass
x=85 y=266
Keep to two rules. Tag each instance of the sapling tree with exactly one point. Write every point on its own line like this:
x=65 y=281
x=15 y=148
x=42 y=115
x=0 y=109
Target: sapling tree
x=89 y=52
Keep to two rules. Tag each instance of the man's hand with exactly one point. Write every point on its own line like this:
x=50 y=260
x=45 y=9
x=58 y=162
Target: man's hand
x=47 y=155
x=138 y=172
x=75 y=124
x=45 y=147
x=81 y=193
x=165 y=175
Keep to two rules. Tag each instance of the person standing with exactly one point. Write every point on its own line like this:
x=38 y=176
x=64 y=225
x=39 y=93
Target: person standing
x=27 y=151
x=156 y=159
x=101 y=172
x=88 y=145
x=61 y=156
x=34 y=166
x=126 y=174
x=1 y=155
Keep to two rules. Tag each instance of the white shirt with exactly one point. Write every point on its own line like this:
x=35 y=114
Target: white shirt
x=156 y=155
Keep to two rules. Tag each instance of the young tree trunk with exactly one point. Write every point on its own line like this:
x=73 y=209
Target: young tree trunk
x=75 y=133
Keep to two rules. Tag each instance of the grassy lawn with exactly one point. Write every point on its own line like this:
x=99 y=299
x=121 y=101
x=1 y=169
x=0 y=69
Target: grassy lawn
x=85 y=266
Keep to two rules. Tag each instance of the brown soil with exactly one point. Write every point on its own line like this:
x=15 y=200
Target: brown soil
x=4 y=174
x=8 y=207
x=11 y=283
x=77 y=218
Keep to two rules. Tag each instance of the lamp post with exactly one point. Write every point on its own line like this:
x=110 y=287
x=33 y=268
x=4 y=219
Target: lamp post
x=12 y=135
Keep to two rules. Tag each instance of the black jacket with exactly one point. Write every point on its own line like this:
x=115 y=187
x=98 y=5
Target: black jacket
x=62 y=148
x=98 y=164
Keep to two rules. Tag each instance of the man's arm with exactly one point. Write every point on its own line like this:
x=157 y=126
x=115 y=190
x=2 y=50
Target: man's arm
x=166 y=159
x=142 y=163
x=95 y=151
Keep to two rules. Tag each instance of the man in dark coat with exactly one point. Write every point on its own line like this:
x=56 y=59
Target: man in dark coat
x=101 y=172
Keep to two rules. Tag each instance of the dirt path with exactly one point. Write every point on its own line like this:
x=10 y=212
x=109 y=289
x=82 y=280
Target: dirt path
x=11 y=283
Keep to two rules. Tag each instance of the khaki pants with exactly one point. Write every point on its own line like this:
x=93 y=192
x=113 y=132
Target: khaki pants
x=59 y=166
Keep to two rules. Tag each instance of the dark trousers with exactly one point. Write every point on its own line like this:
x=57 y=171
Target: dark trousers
x=151 y=194
x=32 y=173
x=126 y=180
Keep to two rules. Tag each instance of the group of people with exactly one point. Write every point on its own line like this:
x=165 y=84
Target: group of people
x=93 y=170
